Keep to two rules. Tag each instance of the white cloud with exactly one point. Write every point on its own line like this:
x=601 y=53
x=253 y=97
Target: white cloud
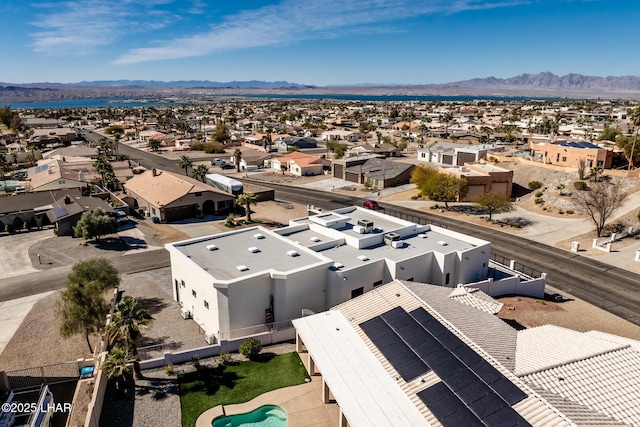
x=78 y=27
x=292 y=21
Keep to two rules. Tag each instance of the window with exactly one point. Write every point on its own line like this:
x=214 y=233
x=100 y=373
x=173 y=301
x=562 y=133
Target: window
x=564 y=159
x=206 y=305
x=183 y=284
x=378 y=283
x=193 y=292
x=600 y=163
x=557 y=157
x=357 y=292
x=447 y=278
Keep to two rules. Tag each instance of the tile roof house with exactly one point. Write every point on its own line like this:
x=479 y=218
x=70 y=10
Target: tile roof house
x=299 y=164
x=171 y=197
x=453 y=362
x=55 y=175
x=67 y=211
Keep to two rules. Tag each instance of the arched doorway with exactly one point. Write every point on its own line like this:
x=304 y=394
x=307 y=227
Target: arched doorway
x=209 y=207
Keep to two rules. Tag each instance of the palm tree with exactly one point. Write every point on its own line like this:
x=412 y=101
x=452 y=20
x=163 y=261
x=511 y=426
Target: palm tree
x=200 y=172
x=185 y=163
x=246 y=200
x=118 y=366
x=125 y=327
x=237 y=155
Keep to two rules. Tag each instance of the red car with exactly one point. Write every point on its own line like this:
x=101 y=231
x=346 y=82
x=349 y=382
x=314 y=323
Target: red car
x=371 y=204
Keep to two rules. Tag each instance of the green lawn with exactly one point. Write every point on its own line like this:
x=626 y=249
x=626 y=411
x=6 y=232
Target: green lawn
x=238 y=383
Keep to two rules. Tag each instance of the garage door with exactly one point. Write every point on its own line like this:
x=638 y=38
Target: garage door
x=351 y=176
x=499 y=188
x=337 y=171
x=180 y=212
x=474 y=192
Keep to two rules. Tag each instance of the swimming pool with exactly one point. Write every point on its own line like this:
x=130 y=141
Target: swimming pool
x=264 y=416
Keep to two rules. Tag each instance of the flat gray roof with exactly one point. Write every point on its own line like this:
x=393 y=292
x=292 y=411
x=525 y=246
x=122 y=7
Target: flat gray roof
x=232 y=250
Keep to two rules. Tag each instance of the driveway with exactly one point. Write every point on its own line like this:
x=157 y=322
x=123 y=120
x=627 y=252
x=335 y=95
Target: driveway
x=15 y=249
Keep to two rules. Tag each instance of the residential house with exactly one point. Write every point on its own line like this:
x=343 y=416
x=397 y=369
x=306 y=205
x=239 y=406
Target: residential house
x=570 y=154
x=482 y=178
x=449 y=153
x=292 y=142
x=236 y=282
x=65 y=212
x=411 y=354
x=379 y=173
x=336 y=135
x=172 y=197
x=299 y=164
x=30 y=208
x=56 y=175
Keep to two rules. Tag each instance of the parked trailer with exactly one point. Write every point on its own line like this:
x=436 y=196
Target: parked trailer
x=224 y=183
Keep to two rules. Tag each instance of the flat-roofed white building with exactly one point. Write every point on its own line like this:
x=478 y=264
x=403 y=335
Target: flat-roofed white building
x=240 y=279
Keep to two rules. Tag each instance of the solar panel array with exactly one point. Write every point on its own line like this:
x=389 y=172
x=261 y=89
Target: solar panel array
x=472 y=391
x=60 y=212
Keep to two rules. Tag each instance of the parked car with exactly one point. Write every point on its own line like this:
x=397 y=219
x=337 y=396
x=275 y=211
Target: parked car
x=227 y=166
x=122 y=217
x=371 y=204
x=554 y=297
x=218 y=162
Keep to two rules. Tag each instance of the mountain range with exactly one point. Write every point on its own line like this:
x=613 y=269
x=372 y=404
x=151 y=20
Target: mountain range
x=526 y=85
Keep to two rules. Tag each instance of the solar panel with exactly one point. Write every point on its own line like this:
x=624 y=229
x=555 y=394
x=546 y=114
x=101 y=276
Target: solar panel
x=446 y=407
x=462 y=417
x=460 y=380
x=508 y=391
x=59 y=213
x=449 y=368
x=484 y=370
x=505 y=417
x=487 y=405
x=473 y=392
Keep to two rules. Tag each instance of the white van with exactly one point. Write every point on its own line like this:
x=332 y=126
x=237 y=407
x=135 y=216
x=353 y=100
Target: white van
x=19 y=190
x=218 y=162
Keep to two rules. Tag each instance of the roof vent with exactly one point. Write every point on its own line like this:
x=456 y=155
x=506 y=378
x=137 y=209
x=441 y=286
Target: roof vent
x=314 y=239
x=363 y=258
x=442 y=243
x=258 y=236
x=292 y=253
x=242 y=268
x=212 y=248
x=423 y=235
x=254 y=250
x=338 y=265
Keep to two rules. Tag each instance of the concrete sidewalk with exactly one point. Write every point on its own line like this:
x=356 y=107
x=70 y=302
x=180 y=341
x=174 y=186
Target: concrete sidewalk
x=12 y=313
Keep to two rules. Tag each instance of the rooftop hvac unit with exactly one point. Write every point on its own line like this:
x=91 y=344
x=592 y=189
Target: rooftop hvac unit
x=423 y=235
x=314 y=239
x=242 y=268
x=258 y=236
x=292 y=253
x=397 y=244
x=359 y=229
x=186 y=314
x=254 y=249
x=366 y=224
x=210 y=339
x=391 y=237
x=338 y=265
x=442 y=243
x=212 y=247
x=363 y=257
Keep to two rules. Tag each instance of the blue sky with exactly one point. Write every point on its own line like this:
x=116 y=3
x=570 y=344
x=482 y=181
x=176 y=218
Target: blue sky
x=317 y=42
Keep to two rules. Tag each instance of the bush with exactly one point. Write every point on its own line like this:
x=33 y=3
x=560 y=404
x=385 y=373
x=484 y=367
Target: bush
x=539 y=194
x=224 y=357
x=169 y=369
x=250 y=348
x=195 y=361
x=569 y=212
x=539 y=201
x=534 y=185
x=580 y=185
x=230 y=221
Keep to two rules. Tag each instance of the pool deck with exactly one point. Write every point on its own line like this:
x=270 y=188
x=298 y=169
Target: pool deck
x=303 y=404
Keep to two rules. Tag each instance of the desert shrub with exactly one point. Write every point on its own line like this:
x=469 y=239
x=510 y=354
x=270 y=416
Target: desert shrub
x=569 y=212
x=534 y=185
x=224 y=358
x=230 y=221
x=195 y=361
x=539 y=201
x=580 y=185
x=250 y=348
x=169 y=369
x=539 y=194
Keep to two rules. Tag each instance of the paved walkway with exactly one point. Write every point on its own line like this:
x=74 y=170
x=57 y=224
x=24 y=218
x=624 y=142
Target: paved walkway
x=12 y=313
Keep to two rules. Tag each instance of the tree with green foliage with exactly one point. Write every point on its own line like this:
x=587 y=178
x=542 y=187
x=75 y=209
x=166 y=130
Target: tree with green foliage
x=250 y=348
x=154 y=144
x=246 y=200
x=200 y=171
x=95 y=224
x=600 y=201
x=81 y=306
x=105 y=169
x=438 y=186
x=124 y=329
x=118 y=132
x=220 y=133
x=631 y=154
x=338 y=148
x=494 y=203
x=609 y=134
x=117 y=366
x=185 y=163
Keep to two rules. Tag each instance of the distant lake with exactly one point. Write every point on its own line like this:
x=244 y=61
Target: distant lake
x=116 y=102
